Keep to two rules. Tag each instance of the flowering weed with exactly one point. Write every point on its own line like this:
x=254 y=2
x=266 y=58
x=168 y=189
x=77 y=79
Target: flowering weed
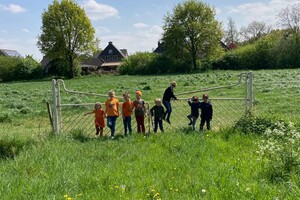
x=279 y=151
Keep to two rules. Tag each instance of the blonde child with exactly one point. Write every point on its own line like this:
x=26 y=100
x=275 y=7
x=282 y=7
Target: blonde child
x=112 y=112
x=139 y=111
x=99 y=118
x=127 y=108
x=168 y=95
x=158 y=112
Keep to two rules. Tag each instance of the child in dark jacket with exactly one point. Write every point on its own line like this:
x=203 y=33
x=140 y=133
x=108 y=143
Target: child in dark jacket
x=158 y=112
x=206 y=112
x=195 y=105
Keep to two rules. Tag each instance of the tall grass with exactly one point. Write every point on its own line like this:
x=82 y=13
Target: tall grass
x=170 y=166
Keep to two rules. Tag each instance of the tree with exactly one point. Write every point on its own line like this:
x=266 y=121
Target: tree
x=193 y=28
x=254 y=31
x=67 y=33
x=231 y=36
x=289 y=18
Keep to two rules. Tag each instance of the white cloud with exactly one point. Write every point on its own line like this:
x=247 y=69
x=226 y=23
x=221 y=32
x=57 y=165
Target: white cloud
x=259 y=11
x=137 y=41
x=140 y=25
x=25 y=30
x=97 y=11
x=13 y=8
x=102 y=30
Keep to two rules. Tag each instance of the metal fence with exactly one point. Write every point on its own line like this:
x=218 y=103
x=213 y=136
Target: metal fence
x=68 y=118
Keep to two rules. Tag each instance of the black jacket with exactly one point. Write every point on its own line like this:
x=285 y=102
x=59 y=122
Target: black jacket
x=169 y=94
x=206 y=110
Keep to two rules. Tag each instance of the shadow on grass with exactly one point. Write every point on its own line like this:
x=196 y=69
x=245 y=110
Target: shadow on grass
x=11 y=147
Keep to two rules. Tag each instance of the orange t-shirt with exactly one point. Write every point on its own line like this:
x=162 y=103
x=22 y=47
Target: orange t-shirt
x=112 y=107
x=127 y=108
x=99 y=118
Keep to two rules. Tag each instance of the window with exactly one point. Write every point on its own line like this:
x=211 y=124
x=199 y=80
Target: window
x=110 y=51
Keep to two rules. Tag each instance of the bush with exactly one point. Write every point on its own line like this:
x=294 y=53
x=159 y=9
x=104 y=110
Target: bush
x=150 y=63
x=19 y=68
x=250 y=124
x=279 y=151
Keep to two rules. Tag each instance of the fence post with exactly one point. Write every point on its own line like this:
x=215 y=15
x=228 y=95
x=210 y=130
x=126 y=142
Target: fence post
x=59 y=115
x=250 y=90
x=55 y=114
x=246 y=93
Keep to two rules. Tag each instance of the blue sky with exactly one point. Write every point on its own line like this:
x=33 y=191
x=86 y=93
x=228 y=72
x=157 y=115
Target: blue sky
x=134 y=25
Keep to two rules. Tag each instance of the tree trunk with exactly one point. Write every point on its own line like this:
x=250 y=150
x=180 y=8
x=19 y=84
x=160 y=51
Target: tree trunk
x=194 y=60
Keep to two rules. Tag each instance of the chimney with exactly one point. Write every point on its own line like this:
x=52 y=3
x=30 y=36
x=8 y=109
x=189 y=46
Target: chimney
x=109 y=42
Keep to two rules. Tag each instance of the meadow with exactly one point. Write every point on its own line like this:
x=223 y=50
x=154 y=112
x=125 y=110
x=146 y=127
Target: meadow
x=179 y=164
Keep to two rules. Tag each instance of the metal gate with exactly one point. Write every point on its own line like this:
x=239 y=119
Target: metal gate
x=70 y=117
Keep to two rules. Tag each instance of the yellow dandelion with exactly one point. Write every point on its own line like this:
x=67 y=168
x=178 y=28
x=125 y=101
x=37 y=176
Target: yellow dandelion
x=65 y=196
x=176 y=190
x=69 y=198
x=156 y=195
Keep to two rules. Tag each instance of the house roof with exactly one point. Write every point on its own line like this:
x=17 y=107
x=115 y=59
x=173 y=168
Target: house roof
x=45 y=61
x=159 y=48
x=94 y=62
x=10 y=53
x=112 y=50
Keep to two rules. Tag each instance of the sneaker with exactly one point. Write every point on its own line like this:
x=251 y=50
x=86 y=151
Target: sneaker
x=167 y=120
x=190 y=123
x=112 y=137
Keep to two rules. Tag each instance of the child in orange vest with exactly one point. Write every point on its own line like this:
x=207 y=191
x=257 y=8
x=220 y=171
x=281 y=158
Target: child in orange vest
x=112 y=112
x=99 y=118
x=127 y=108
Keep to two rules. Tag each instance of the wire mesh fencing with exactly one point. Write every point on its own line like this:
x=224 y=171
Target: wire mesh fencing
x=225 y=113
x=73 y=119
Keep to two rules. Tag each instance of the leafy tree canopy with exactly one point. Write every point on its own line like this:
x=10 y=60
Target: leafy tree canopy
x=192 y=28
x=67 y=33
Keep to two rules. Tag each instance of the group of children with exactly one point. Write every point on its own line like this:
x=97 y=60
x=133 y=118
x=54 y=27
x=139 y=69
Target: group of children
x=111 y=112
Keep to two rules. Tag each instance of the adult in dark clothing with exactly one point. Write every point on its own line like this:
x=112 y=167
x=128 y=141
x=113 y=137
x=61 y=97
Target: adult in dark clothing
x=206 y=112
x=168 y=95
x=158 y=112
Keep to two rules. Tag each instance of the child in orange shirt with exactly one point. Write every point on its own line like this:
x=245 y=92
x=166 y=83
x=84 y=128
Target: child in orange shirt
x=112 y=112
x=127 y=108
x=99 y=118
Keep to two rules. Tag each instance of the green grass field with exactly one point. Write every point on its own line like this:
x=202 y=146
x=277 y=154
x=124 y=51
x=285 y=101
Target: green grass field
x=179 y=164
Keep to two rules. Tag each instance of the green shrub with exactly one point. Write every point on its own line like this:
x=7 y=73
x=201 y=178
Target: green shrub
x=250 y=124
x=19 y=68
x=143 y=63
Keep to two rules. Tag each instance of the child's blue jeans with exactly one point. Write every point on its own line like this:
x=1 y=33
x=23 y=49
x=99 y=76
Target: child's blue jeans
x=127 y=124
x=111 y=123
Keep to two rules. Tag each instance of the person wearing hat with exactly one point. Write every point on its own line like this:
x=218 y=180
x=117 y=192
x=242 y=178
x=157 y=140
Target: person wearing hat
x=195 y=105
x=168 y=95
x=139 y=111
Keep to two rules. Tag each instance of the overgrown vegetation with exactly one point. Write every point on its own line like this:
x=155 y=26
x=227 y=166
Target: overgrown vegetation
x=274 y=51
x=12 y=69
